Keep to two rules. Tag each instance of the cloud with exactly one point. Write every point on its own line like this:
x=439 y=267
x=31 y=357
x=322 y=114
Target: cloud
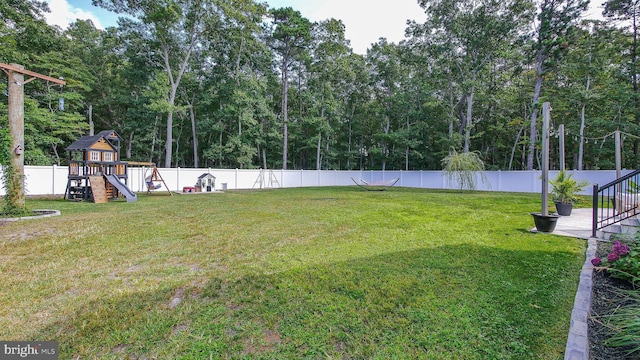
x=368 y=20
x=365 y=20
x=62 y=14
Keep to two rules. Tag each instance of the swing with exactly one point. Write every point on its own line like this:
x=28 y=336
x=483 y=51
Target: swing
x=152 y=183
x=155 y=181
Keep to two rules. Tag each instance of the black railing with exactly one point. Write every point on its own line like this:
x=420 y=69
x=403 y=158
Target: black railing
x=615 y=201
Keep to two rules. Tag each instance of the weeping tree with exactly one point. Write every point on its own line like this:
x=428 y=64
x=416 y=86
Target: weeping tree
x=462 y=168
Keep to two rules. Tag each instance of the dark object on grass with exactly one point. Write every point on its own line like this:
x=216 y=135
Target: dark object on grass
x=545 y=223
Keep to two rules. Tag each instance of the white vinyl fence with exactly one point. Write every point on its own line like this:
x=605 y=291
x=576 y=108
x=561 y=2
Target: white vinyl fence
x=52 y=180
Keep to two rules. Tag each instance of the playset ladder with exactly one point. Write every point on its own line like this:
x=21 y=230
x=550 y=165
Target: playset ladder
x=98 y=189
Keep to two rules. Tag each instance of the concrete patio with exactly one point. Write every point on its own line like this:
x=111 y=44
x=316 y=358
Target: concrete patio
x=577 y=225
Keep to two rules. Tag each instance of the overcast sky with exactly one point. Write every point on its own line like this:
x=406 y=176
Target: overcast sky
x=365 y=20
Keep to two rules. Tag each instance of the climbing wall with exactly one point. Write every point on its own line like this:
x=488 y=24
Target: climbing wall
x=98 y=189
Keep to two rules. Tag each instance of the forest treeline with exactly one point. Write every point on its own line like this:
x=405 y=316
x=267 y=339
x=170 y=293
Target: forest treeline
x=236 y=84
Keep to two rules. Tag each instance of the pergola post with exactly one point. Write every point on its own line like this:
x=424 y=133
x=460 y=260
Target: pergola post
x=16 y=131
x=16 y=74
x=546 y=115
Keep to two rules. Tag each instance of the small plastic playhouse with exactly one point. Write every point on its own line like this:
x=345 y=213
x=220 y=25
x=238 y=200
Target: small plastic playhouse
x=206 y=182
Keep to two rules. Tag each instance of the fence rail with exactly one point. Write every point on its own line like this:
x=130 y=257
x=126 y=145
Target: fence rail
x=615 y=201
x=52 y=180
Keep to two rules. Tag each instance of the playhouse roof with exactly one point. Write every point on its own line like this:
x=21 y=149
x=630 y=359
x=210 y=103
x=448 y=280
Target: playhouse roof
x=85 y=142
x=206 y=175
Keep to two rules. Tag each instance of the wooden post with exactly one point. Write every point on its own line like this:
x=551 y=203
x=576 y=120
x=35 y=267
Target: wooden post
x=546 y=115
x=16 y=74
x=16 y=131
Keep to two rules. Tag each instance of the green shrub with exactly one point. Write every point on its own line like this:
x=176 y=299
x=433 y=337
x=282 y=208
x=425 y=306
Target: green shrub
x=565 y=189
x=7 y=172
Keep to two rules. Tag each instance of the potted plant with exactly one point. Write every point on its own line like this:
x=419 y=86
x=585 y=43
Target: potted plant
x=564 y=191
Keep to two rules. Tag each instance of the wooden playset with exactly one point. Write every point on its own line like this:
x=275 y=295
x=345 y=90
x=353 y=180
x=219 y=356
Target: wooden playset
x=95 y=170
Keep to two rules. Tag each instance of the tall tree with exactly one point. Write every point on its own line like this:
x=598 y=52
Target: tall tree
x=628 y=11
x=291 y=39
x=473 y=34
x=588 y=76
x=26 y=39
x=331 y=81
x=175 y=29
x=555 y=22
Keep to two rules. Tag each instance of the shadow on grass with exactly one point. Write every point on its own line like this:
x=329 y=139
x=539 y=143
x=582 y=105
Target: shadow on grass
x=466 y=302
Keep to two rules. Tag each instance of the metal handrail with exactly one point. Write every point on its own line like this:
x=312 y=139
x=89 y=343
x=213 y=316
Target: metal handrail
x=615 y=201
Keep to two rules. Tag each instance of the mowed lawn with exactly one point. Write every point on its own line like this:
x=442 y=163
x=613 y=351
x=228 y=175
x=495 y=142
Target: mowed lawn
x=291 y=273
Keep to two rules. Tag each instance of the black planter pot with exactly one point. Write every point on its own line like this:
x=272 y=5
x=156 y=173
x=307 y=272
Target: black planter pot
x=545 y=223
x=564 y=209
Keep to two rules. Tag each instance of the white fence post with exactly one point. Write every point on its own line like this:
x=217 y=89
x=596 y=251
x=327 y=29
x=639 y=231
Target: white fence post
x=177 y=178
x=53 y=178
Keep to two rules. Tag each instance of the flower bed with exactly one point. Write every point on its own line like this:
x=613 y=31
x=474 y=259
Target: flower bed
x=611 y=287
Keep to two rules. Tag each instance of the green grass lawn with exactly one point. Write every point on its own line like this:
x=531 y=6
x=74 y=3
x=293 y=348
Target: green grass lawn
x=291 y=273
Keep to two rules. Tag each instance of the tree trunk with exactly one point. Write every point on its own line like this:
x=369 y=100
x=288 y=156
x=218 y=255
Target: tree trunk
x=168 y=146
x=129 y=145
x=264 y=158
x=318 y=152
x=406 y=152
x=285 y=115
x=469 y=123
x=153 y=139
x=582 y=126
x=515 y=145
x=90 y=114
x=534 y=111
x=385 y=149
x=174 y=82
x=319 y=145
x=451 y=105
x=194 y=133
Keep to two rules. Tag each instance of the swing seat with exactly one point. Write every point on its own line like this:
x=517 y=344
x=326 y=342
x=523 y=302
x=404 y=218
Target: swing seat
x=151 y=185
